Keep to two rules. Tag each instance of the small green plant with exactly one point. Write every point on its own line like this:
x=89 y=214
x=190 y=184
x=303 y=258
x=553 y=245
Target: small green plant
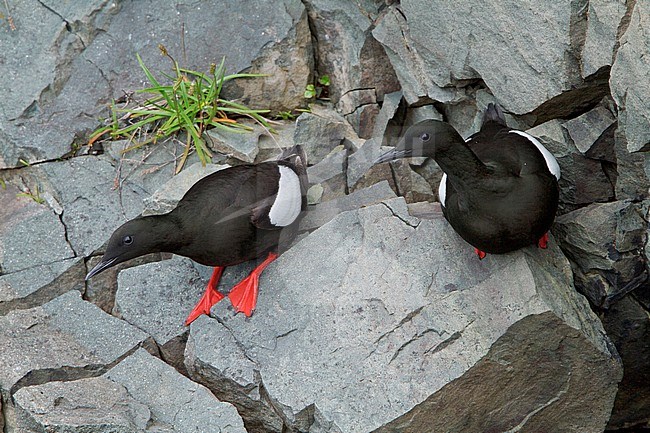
x=3 y=184
x=190 y=103
x=36 y=196
x=319 y=90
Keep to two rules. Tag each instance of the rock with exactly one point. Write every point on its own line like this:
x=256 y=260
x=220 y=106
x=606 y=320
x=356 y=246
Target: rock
x=605 y=242
x=65 y=339
x=73 y=78
x=630 y=80
x=34 y=286
x=240 y=145
x=329 y=175
x=363 y=119
x=319 y=134
x=361 y=161
x=586 y=129
x=583 y=180
x=167 y=196
x=271 y=146
x=324 y=212
x=156 y=298
x=547 y=398
x=314 y=194
x=418 y=86
x=388 y=110
x=628 y=325
x=458 y=312
x=175 y=402
x=95 y=404
x=410 y=185
x=345 y=50
x=603 y=21
x=31 y=234
x=94 y=205
x=633 y=180
x=287 y=62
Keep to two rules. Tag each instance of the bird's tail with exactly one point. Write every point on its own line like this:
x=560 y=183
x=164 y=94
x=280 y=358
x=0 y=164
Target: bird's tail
x=295 y=157
x=493 y=113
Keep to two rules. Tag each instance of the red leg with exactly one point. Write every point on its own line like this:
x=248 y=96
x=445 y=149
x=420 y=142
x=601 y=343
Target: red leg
x=244 y=295
x=209 y=298
x=481 y=255
x=543 y=241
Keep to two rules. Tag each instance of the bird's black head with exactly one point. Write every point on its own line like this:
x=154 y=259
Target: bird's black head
x=133 y=239
x=423 y=139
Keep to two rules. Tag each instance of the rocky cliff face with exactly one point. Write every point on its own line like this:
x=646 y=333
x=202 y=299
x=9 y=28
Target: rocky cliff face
x=379 y=318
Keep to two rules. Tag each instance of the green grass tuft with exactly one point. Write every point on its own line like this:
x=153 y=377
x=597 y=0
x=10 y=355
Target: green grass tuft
x=190 y=102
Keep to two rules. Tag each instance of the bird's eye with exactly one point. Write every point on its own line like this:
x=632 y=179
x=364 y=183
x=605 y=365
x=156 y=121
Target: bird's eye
x=127 y=240
x=425 y=137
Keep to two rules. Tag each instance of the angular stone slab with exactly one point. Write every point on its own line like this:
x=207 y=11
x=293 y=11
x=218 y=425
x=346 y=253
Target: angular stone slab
x=65 y=332
x=157 y=297
x=324 y=212
x=168 y=195
x=31 y=234
x=93 y=205
x=375 y=312
x=174 y=401
x=95 y=404
x=630 y=80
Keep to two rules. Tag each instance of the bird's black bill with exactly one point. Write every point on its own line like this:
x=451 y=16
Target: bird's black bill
x=99 y=267
x=392 y=155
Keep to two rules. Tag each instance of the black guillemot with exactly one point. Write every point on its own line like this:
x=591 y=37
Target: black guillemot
x=229 y=217
x=500 y=188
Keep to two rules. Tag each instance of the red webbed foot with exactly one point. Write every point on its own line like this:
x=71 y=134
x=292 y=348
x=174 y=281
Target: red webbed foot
x=481 y=254
x=244 y=295
x=210 y=297
x=543 y=241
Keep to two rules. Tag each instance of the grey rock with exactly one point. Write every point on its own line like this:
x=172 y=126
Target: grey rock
x=630 y=80
x=21 y=287
x=94 y=404
x=586 y=129
x=65 y=339
x=583 y=180
x=363 y=119
x=319 y=133
x=546 y=398
x=230 y=374
x=633 y=168
x=240 y=145
x=287 y=61
x=72 y=78
x=410 y=185
x=605 y=242
x=94 y=205
x=393 y=32
x=148 y=166
x=628 y=325
x=31 y=234
x=342 y=32
x=167 y=196
x=388 y=110
x=456 y=309
x=315 y=194
x=174 y=401
x=352 y=100
x=271 y=146
x=324 y=212
x=362 y=160
x=331 y=166
x=603 y=21
x=157 y=297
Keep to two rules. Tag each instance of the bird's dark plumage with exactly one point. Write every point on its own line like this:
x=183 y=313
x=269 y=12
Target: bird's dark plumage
x=500 y=190
x=229 y=217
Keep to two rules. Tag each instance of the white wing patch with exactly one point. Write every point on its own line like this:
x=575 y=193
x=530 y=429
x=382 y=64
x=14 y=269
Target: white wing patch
x=288 y=202
x=442 y=189
x=551 y=162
